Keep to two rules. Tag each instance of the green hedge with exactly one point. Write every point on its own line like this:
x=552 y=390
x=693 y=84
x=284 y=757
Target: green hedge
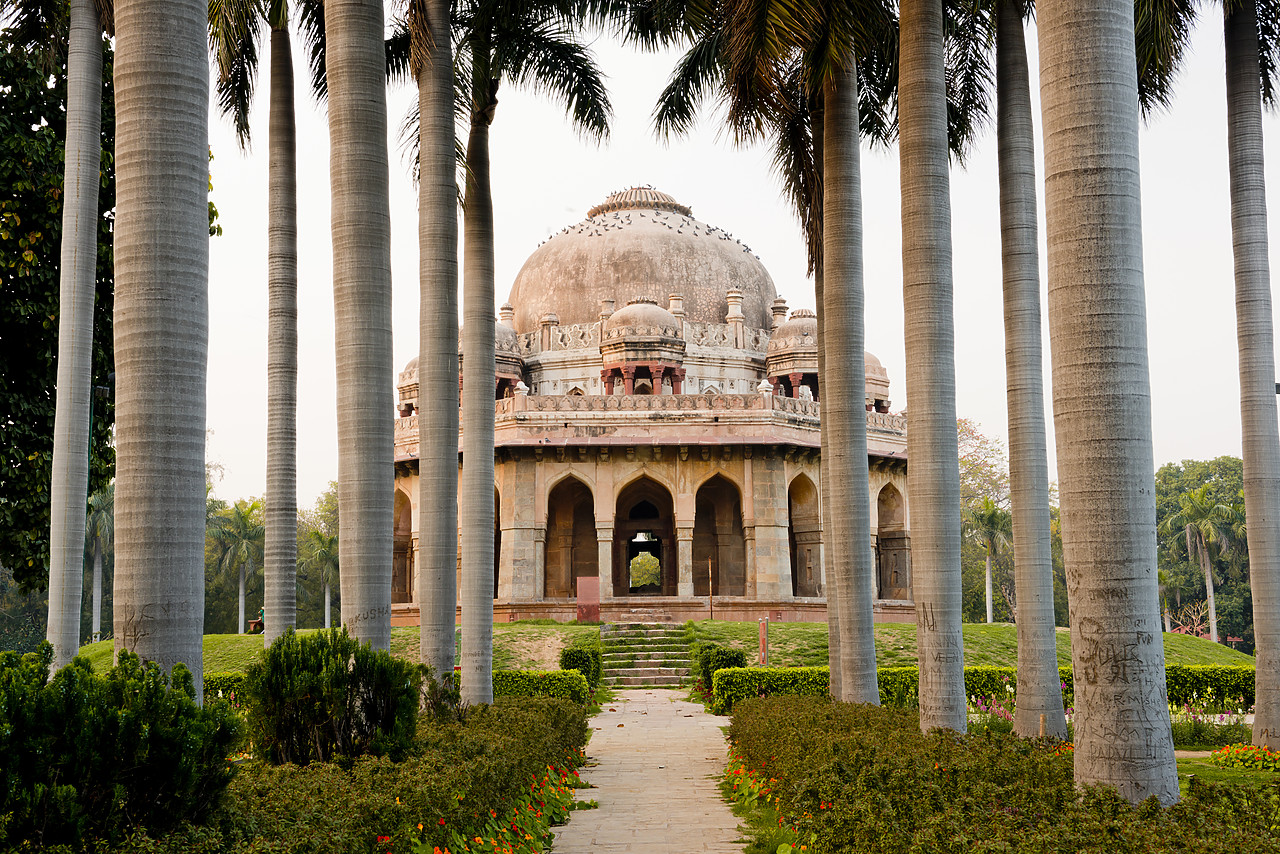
x=709 y=657
x=562 y=684
x=1198 y=685
x=228 y=686
x=583 y=654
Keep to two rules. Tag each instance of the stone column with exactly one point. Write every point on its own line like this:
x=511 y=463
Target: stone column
x=677 y=381
x=540 y=563
x=607 y=376
x=628 y=382
x=684 y=562
x=749 y=543
x=604 y=544
x=796 y=381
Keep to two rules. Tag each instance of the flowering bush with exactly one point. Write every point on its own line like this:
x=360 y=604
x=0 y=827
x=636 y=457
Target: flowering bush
x=1246 y=756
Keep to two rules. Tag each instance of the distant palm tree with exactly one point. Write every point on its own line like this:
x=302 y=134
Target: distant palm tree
x=524 y=43
x=100 y=531
x=234 y=32
x=321 y=552
x=1203 y=522
x=238 y=540
x=991 y=526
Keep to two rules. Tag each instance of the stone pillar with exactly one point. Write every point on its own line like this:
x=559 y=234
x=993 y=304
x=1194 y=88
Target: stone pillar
x=684 y=562
x=628 y=387
x=796 y=381
x=677 y=380
x=607 y=376
x=604 y=545
x=735 y=317
x=749 y=544
x=770 y=517
x=539 y=563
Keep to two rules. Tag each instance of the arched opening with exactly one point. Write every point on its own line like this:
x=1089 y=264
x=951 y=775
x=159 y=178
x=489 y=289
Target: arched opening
x=497 y=539
x=402 y=549
x=719 y=548
x=644 y=533
x=804 y=531
x=893 y=546
x=571 y=551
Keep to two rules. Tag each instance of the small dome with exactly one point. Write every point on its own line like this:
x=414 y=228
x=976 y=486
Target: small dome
x=640 y=199
x=873 y=366
x=411 y=366
x=642 y=317
x=800 y=331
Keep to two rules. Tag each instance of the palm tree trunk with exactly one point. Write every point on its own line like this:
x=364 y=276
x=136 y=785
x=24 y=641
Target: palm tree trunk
x=240 y=622
x=844 y=396
x=97 y=590
x=1101 y=396
x=1202 y=551
x=355 y=67
x=933 y=474
x=327 y=607
x=438 y=351
x=161 y=328
x=990 y=615
x=69 y=487
x=280 y=543
x=1257 y=360
x=1039 y=687
x=477 y=413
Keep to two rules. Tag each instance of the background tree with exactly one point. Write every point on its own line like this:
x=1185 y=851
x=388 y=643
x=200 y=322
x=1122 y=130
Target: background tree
x=32 y=133
x=237 y=536
x=100 y=532
x=1203 y=525
x=320 y=555
x=992 y=527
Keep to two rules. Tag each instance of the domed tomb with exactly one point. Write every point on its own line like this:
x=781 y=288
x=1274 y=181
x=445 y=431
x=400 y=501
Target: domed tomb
x=508 y=365
x=640 y=243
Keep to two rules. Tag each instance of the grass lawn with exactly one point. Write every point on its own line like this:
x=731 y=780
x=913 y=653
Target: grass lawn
x=533 y=645
x=805 y=644
x=1206 y=770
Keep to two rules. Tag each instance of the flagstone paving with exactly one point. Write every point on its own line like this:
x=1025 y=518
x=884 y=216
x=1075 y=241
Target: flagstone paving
x=657 y=759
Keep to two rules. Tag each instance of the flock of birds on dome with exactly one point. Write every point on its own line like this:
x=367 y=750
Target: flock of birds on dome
x=596 y=226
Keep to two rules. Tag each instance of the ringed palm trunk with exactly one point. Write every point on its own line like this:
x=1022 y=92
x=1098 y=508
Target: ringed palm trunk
x=1101 y=396
x=1039 y=686
x=327 y=607
x=990 y=616
x=1206 y=568
x=97 y=590
x=70 y=478
x=438 y=350
x=240 y=623
x=161 y=328
x=844 y=398
x=476 y=503
x=355 y=67
x=280 y=543
x=1256 y=340
x=933 y=473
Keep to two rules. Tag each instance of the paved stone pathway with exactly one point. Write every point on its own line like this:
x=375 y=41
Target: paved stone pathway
x=655 y=780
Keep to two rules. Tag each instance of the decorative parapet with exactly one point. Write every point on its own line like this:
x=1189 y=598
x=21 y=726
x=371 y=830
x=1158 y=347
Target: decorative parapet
x=887 y=422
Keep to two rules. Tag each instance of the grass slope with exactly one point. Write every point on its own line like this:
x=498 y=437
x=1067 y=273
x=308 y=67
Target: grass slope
x=805 y=644
x=516 y=646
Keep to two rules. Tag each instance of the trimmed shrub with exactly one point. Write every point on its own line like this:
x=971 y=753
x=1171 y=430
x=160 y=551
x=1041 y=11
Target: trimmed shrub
x=89 y=755
x=228 y=686
x=709 y=657
x=561 y=684
x=731 y=685
x=583 y=654
x=855 y=778
x=321 y=696
x=1215 y=686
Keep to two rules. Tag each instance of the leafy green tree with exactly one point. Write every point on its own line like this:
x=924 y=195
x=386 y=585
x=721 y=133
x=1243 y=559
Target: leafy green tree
x=992 y=527
x=32 y=133
x=320 y=556
x=100 y=527
x=1203 y=524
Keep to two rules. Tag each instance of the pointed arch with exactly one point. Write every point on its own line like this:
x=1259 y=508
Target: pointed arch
x=893 y=545
x=719 y=547
x=402 y=550
x=804 y=536
x=571 y=551
x=644 y=524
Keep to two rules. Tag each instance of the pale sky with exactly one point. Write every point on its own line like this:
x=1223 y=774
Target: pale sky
x=545 y=177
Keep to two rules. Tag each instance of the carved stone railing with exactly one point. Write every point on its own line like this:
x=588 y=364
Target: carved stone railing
x=890 y=421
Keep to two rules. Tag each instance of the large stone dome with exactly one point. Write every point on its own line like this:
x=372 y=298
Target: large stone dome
x=640 y=243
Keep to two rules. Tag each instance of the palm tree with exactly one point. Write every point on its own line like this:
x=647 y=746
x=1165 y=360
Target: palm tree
x=933 y=478
x=234 y=27
x=355 y=73
x=1201 y=521
x=991 y=526
x=1250 y=82
x=39 y=25
x=161 y=327
x=238 y=538
x=1101 y=391
x=100 y=529
x=523 y=43
x=322 y=554
x=432 y=66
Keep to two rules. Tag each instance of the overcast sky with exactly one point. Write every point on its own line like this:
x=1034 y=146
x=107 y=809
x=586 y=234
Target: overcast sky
x=545 y=177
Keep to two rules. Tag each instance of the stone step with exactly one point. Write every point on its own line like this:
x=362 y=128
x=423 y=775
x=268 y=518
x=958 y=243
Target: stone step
x=642 y=652
x=649 y=671
x=645 y=682
x=663 y=644
x=642 y=633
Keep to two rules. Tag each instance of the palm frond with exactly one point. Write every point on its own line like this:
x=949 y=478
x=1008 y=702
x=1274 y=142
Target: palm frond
x=311 y=29
x=1162 y=30
x=234 y=29
x=694 y=79
x=1268 y=49
x=968 y=37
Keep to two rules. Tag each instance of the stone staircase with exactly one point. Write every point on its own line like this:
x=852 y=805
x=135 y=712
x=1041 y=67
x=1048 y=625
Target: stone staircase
x=644 y=653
